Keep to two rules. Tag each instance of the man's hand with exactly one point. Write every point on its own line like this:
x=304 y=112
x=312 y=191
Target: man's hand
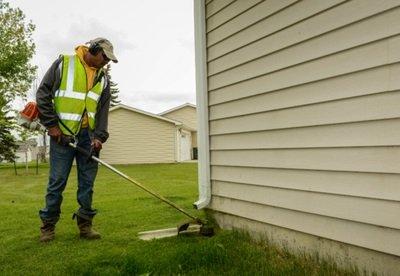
x=55 y=133
x=97 y=145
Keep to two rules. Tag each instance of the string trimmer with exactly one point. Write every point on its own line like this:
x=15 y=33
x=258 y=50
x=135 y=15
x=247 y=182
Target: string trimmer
x=28 y=118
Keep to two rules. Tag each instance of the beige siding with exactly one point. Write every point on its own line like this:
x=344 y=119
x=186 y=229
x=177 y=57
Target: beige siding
x=263 y=10
x=298 y=23
x=382 y=239
x=229 y=13
x=345 y=254
x=304 y=110
x=379 y=53
x=185 y=115
x=194 y=139
x=214 y=7
x=138 y=138
x=366 y=185
x=363 y=82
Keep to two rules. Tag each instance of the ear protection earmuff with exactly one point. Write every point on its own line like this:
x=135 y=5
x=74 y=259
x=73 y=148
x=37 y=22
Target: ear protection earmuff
x=95 y=47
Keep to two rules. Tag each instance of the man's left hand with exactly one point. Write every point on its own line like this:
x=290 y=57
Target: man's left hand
x=97 y=145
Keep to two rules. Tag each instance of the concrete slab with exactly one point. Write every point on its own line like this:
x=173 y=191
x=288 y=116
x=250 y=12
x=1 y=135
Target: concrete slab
x=169 y=232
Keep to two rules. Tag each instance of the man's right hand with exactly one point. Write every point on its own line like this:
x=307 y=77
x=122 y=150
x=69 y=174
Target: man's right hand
x=55 y=133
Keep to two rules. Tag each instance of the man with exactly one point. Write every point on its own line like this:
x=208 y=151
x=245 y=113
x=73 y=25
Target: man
x=73 y=101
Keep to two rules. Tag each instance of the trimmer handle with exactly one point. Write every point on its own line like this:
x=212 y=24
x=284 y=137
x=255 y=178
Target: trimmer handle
x=87 y=153
x=65 y=140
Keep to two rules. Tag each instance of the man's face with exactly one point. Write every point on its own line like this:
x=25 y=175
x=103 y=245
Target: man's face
x=100 y=60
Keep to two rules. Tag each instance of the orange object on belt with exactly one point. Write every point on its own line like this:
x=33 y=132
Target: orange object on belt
x=30 y=112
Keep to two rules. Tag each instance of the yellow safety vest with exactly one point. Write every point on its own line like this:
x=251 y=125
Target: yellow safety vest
x=72 y=98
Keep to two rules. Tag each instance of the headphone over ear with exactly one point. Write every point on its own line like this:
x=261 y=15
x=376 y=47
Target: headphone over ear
x=95 y=47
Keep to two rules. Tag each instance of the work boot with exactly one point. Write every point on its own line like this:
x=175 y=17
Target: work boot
x=47 y=232
x=85 y=227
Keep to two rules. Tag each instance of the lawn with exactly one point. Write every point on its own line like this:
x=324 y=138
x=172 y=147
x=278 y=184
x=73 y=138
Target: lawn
x=123 y=211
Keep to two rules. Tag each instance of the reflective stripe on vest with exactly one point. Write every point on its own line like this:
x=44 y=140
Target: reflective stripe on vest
x=70 y=116
x=93 y=96
x=91 y=114
x=72 y=98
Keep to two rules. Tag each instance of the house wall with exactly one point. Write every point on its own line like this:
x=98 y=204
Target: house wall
x=185 y=115
x=304 y=112
x=194 y=139
x=188 y=116
x=138 y=138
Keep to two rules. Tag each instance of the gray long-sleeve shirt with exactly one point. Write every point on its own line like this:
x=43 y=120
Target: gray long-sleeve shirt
x=45 y=95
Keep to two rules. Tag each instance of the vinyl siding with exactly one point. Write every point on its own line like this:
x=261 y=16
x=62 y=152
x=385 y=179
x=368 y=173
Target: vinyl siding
x=138 y=138
x=304 y=116
x=214 y=7
x=382 y=239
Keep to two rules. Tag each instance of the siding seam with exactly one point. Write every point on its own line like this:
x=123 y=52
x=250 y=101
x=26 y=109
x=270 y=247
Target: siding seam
x=233 y=17
x=306 y=126
x=309 y=191
x=209 y=2
x=277 y=31
x=298 y=127
x=304 y=212
x=220 y=9
x=305 y=62
x=272 y=14
x=293 y=148
x=299 y=169
x=305 y=83
x=319 y=147
x=308 y=104
x=304 y=41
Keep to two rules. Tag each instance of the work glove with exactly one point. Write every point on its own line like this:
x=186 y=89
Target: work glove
x=97 y=145
x=65 y=140
x=55 y=133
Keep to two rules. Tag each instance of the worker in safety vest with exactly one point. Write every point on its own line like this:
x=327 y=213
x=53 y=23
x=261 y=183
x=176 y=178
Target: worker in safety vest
x=73 y=101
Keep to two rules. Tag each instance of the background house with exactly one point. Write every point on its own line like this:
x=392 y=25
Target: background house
x=187 y=115
x=299 y=115
x=137 y=136
x=26 y=151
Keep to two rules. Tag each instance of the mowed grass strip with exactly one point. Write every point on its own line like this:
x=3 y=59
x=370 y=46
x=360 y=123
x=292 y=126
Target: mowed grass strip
x=123 y=211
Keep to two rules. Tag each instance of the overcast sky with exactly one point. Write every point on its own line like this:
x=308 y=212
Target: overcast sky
x=153 y=40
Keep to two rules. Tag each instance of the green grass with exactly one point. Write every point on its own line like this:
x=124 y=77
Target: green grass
x=123 y=211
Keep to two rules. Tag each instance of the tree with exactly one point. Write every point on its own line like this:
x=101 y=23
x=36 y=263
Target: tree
x=7 y=141
x=113 y=88
x=16 y=72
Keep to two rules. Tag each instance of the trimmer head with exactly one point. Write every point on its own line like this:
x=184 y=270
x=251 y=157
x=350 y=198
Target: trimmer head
x=203 y=228
x=193 y=227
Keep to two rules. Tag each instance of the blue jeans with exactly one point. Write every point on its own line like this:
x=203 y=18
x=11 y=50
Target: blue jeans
x=61 y=159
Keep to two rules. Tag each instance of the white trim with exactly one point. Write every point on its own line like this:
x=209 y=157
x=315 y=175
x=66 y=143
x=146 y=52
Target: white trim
x=70 y=116
x=185 y=133
x=144 y=113
x=177 y=143
x=202 y=105
x=176 y=108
